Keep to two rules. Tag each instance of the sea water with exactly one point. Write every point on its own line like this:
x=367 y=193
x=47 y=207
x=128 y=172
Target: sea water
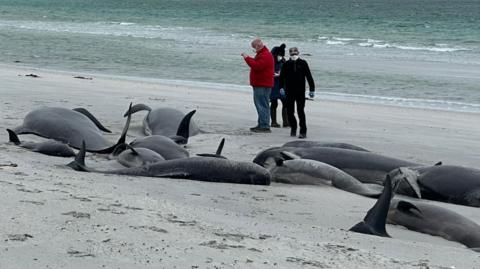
x=420 y=53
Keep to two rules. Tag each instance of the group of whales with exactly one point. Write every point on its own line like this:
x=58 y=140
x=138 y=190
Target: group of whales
x=159 y=154
x=357 y=170
x=348 y=167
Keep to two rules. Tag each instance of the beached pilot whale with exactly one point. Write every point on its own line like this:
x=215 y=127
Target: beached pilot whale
x=367 y=167
x=135 y=157
x=49 y=147
x=165 y=121
x=435 y=220
x=308 y=144
x=194 y=168
x=70 y=127
x=162 y=145
x=376 y=218
x=291 y=169
x=446 y=183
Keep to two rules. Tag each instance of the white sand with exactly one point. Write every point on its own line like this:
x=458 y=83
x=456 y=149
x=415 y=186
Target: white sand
x=89 y=220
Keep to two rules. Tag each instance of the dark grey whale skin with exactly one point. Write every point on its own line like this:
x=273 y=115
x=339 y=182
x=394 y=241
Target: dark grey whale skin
x=161 y=145
x=367 y=167
x=195 y=168
x=308 y=144
x=49 y=147
x=163 y=121
x=435 y=220
x=68 y=126
x=446 y=183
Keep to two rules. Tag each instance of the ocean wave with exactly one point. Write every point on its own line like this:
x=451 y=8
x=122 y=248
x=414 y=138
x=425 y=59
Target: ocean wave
x=402 y=102
x=126 y=29
x=333 y=42
x=334 y=96
x=380 y=44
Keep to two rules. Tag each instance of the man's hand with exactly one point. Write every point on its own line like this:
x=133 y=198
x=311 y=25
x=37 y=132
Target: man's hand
x=244 y=55
x=311 y=94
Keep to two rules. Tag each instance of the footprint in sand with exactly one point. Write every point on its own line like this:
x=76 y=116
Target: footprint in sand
x=77 y=214
x=19 y=237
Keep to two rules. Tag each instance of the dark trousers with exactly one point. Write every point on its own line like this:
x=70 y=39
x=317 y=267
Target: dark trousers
x=273 y=111
x=299 y=100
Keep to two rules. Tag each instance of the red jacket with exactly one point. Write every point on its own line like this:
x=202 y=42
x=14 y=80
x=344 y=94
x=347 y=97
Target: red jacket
x=262 y=68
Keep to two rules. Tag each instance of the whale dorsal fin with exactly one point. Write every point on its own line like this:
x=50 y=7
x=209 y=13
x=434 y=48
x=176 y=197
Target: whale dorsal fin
x=220 y=147
x=92 y=118
x=13 y=137
x=439 y=163
x=377 y=216
x=217 y=154
x=184 y=126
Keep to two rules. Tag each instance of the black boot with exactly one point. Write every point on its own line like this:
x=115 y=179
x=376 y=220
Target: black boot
x=285 y=117
x=273 y=115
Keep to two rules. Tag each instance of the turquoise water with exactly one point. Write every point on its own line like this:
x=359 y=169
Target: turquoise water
x=424 y=51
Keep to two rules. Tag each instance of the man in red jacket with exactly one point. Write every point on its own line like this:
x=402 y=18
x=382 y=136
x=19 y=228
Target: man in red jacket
x=262 y=68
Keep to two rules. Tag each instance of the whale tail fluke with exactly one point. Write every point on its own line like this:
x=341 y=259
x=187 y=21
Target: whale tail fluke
x=409 y=178
x=136 y=108
x=13 y=137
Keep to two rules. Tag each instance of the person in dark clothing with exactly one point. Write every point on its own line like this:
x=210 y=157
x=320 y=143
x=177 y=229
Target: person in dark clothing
x=278 y=55
x=292 y=79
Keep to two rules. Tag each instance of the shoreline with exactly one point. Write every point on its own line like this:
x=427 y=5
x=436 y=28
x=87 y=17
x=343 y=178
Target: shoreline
x=389 y=101
x=139 y=222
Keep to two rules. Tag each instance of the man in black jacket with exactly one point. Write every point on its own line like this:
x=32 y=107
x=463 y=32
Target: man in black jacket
x=292 y=80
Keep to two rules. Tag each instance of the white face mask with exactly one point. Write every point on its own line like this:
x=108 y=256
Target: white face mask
x=279 y=58
x=294 y=57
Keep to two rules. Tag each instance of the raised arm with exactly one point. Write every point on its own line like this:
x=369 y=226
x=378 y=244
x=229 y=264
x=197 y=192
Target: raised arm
x=256 y=63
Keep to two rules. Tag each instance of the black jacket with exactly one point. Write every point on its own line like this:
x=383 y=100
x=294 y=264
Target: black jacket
x=293 y=75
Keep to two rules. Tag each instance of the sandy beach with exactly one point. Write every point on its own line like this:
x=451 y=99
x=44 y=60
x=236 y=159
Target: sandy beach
x=54 y=217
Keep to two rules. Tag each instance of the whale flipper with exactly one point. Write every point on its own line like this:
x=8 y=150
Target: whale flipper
x=79 y=163
x=408 y=208
x=289 y=156
x=92 y=118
